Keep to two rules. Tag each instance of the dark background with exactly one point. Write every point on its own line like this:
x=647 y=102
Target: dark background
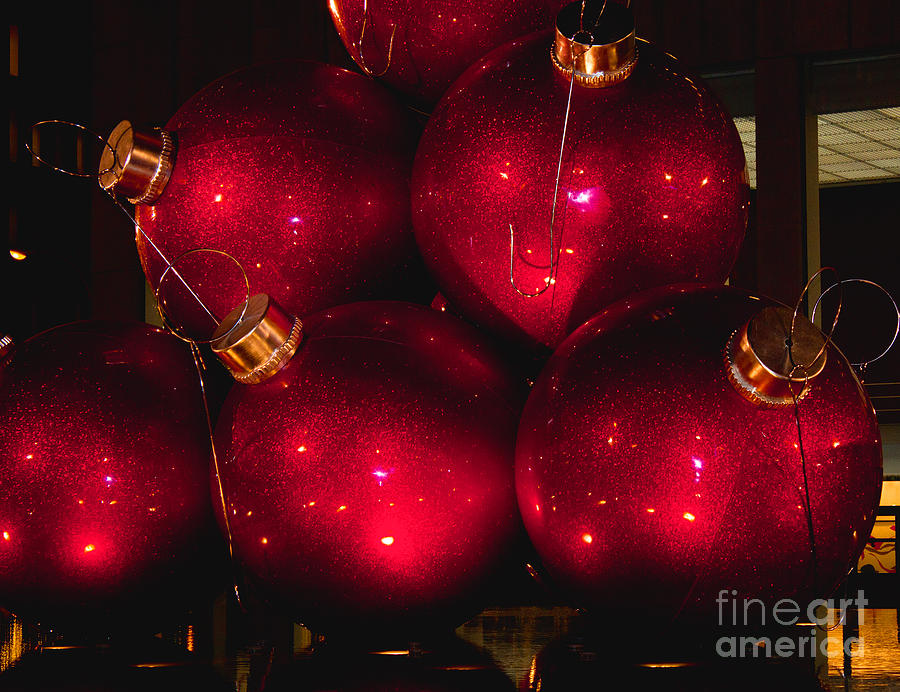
x=103 y=61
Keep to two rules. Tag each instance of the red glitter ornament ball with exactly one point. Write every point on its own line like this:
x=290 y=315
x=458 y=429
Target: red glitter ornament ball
x=372 y=477
x=652 y=189
x=104 y=460
x=433 y=42
x=299 y=170
x=646 y=480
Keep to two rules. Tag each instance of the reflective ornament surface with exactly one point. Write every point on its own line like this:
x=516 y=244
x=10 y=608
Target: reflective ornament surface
x=646 y=479
x=652 y=189
x=104 y=500
x=434 y=41
x=299 y=170
x=371 y=479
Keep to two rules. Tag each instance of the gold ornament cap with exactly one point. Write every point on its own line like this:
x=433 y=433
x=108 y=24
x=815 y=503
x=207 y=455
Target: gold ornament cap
x=137 y=163
x=600 y=49
x=6 y=345
x=768 y=364
x=256 y=342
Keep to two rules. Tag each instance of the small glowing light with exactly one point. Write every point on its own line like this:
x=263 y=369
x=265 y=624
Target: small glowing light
x=264 y=540
x=503 y=175
x=587 y=538
x=17 y=255
x=301 y=448
x=404 y=652
x=835 y=444
x=6 y=535
x=151 y=509
x=665 y=216
x=112 y=502
x=109 y=479
x=388 y=540
x=81 y=502
x=698 y=463
x=218 y=197
x=312 y=503
x=29 y=456
x=379 y=474
x=570 y=251
x=602 y=502
x=689 y=516
x=704 y=181
x=342 y=508
x=537 y=507
x=696 y=437
x=651 y=510
x=610 y=440
x=89 y=548
x=668 y=177
x=295 y=219
x=249 y=512
x=528 y=252
x=258 y=265
x=421 y=499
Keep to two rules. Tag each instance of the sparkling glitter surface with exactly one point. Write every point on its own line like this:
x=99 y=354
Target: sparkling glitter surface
x=373 y=476
x=104 y=454
x=644 y=477
x=652 y=190
x=301 y=171
x=434 y=40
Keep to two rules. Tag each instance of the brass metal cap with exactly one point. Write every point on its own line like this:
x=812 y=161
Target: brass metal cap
x=260 y=342
x=137 y=163
x=602 y=52
x=6 y=345
x=767 y=368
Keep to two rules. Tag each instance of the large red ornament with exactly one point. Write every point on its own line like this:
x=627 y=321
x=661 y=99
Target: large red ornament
x=300 y=170
x=104 y=458
x=372 y=477
x=433 y=42
x=652 y=188
x=646 y=479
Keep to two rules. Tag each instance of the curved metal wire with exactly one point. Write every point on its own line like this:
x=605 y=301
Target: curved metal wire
x=171 y=267
x=359 y=46
x=77 y=126
x=551 y=279
x=837 y=314
x=893 y=341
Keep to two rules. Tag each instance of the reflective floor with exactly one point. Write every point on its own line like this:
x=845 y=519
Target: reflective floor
x=504 y=649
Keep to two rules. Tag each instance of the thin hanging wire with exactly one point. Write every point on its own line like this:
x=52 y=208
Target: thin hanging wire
x=199 y=363
x=803 y=370
x=550 y=280
x=359 y=46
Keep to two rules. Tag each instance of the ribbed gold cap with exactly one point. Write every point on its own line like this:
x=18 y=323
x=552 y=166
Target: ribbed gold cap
x=137 y=163
x=256 y=343
x=768 y=369
x=602 y=50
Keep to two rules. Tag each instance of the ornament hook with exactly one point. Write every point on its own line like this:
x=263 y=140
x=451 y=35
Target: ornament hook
x=803 y=367
x=554 y=264
x=862 y=365
x=359 y=46
x=34 y=148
